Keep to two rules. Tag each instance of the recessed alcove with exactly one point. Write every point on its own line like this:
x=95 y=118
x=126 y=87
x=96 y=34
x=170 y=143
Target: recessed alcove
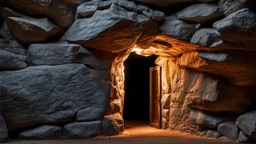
x=137 y=95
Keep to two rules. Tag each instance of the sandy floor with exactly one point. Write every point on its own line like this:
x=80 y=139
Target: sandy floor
x=136 y=133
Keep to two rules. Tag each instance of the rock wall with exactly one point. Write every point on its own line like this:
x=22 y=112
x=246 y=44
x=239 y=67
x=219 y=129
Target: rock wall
x=62 y=74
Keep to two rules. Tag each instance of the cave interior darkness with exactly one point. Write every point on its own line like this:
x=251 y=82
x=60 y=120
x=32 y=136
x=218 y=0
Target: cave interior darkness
x=137 y=95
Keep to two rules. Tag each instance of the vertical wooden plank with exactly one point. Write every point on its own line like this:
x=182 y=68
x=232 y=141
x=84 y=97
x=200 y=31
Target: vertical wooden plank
x=155 y=97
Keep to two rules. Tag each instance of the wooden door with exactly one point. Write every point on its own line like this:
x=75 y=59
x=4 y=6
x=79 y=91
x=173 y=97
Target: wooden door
x=155 y=97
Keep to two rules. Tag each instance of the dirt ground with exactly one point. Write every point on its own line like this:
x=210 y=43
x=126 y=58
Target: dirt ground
x=136 y=133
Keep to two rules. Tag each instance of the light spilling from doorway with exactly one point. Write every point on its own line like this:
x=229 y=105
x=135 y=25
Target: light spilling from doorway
x=150 y=51
x=144 y=52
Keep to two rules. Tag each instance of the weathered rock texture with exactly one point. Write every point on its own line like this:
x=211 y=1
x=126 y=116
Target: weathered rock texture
x=63 y=53
x=4 y=137
x=174 y=27
x=29 y=30
x=200 y=13
x=42 y=133
x=11 y=61
x=229 y=130
x=247 y=124
x=230 y=6
x=51 y=94
x=238 y=27
x=8 y=42
x=110 y=27
x=61 y=64
x=82 y=129
x=112 y=124
x=61 y=12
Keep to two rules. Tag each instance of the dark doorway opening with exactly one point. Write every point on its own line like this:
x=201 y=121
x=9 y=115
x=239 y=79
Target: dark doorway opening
x=136 y=102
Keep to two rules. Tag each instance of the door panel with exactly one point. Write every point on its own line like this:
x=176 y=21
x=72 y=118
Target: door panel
x=155 y=97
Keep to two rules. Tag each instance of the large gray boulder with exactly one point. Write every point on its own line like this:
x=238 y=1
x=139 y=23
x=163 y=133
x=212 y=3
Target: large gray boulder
x=176 y=28
x=114 y=29
x=30 y=30
x=42 y=133
x=11 y=61
x=229 y=130
x=63 y=53
x=51 y=94
x=230 y=6
x=238 y=28
x=4 y=137
x=61 y=12
x=80 y=130
x=207 y=37
x=247 y=123
x=200 y=13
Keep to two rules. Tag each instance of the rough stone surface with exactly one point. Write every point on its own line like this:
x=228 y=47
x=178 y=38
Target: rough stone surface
x=230 y=6
x=29 y=30
x=229 y=130
x=89 y=8
x=63 y=53
x=238 y=67
x=207 y=37
x=213 y=134
x=80 y=130
x=61 y=12
x=4 y=137
x=238 y=27
x=165 y=124
x=11 y=61
x=166 y=114
x=8 y=43
x=207 y=120
x=243 y=138
x=212 y=94
x=112 y=125
x=180 y=114
x=115 y=106
x=247 y=123
x=200 y=13
x=89 y=114
x=165 y=101
x=51 y=94
x=150 y=13
x=115 y=28
x=178 y=29
x=42 y=133
x=190 y=88
x=167 y=3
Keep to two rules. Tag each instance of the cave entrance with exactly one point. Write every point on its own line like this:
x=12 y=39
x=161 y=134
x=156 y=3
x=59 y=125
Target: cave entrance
x=142 y=91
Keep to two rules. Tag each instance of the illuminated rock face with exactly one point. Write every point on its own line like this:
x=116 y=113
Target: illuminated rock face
x=61 y=66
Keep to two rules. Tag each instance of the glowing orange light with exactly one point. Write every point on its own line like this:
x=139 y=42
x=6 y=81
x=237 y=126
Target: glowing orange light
x=143 y=52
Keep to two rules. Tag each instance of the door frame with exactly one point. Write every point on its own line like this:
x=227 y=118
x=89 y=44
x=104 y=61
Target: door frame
x=159 y=96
